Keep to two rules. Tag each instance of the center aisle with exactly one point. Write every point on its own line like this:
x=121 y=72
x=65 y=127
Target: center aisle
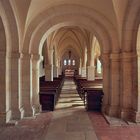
x=70 y=120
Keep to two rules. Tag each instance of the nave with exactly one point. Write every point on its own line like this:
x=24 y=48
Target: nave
x=69 y=121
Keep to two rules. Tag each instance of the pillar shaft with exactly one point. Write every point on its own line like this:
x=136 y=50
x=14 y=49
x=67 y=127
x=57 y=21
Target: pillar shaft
x=15 y=112
x=90 y=73
x=106 y=81
x=35 y=84
x=90 y=68
x=83 y=71
x=127 y=86
x=2 y=88
x=25 y=83
x=114 y=98
x=49 y=72
x=136 y=88
x=55 y=71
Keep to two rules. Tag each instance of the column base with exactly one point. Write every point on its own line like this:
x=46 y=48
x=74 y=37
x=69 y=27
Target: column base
x=104 y=109
x=16 y=115
x=36 y=109
x=90 y=73
x=112 y=111
x=125 y=114
x=83 y=72
x=135 y=116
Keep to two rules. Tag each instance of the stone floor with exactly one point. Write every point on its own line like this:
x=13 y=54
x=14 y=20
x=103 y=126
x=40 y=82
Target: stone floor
x=70 y=121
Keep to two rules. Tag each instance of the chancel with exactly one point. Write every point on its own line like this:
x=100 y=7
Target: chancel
x=69 y=69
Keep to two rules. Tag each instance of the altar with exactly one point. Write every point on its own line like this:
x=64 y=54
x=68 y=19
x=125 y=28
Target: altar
x=69 y=72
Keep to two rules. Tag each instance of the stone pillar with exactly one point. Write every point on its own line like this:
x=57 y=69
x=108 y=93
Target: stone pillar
x=15 y=112
x=90 y=73
x=84 y=61
x=106 y=81
x=127 y=86
x=35 y=84
x=49 y=72
x=59 y=71
x=49 y=67
x=55 y=71
x=2 y=88
x=80 y=65
x=25 y=85
x=90 y=68
x=114 y=97
x=83 y=72
x=80 y=71
x=136 y=87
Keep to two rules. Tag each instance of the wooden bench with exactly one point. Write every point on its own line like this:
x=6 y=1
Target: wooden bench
x=91 y=92
x=49 y=93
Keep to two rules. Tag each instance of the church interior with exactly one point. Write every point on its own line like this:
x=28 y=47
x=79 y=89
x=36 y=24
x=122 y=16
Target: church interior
x=70 y=70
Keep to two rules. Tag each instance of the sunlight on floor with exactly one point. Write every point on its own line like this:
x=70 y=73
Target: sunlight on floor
x=69 y=97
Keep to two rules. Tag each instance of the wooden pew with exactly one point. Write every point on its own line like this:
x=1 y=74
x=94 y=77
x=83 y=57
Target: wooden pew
x=91 y=92
x=49 y=93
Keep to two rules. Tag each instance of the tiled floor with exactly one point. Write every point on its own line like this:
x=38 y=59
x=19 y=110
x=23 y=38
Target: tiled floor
x=69 y=121
x=104 y=131
x=27 y=129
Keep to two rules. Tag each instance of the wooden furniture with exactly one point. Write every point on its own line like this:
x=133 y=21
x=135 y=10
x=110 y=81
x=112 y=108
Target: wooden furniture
x=91 y=92
x=69 y=73
x=94 y=99
x=49 y=93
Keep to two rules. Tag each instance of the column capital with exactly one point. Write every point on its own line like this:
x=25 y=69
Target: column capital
x=115 y=56
x=25 y=56
x=36 y=57
x=128 y=55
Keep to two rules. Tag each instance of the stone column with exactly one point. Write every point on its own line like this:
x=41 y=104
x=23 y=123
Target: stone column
x=80 y=65
x=80 y=71
x=135 y=116
x=15 y=112
x=106 y=81
x=83 y=72
x=90 y=73
x=49 y=67
x=49 y=72
x=2 y=88
x=114 y=97
x=84 y=61
x=55 y=71
x=35 y=84
x=25 y=85
x=90 y=68
x=127 y=86
x=59 y=71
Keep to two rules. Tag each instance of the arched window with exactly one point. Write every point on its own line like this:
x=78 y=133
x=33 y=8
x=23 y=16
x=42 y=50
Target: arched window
x=65 y=62
x=73 y=62
x=99 y=66
x=69 y=62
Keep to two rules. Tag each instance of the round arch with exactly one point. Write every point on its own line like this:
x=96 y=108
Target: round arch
x=80 y=16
